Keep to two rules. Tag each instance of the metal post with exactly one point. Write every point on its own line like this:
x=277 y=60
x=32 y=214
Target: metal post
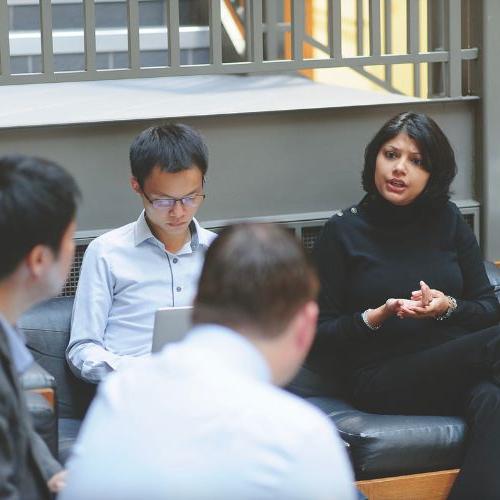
x=89 y=34
x=133 y=34
x=257 y=43
x=46 y=34
x=4 y=40
x=271 y=9
x=215 y=33
x=359 y=28
x=388 y=39
x=375 y=41
x=437 y=31
x=413 y=36
x=454 y=67
x=335 y=29
x=174 y=57
x=298 y=19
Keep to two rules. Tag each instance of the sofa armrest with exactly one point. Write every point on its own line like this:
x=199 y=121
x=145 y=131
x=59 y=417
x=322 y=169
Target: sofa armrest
x=44 y=419
x=493 y=273
x=36 y=377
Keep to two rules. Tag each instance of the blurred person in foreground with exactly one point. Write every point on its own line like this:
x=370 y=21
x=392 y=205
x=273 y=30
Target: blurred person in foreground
x=38 y=202
x=206 y=418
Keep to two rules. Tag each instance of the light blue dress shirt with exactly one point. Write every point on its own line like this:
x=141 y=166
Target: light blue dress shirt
x=20 y=354
x=201 y=420
x=126 y=275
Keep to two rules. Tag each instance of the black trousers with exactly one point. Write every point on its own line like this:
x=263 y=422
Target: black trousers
x=459 y=377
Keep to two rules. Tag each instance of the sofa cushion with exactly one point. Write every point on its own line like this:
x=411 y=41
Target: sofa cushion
x=47 y=328
x=393 y=445
x=68 y=432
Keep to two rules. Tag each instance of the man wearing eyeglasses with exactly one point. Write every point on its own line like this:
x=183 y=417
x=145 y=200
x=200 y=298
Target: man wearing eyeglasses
x=130 y=272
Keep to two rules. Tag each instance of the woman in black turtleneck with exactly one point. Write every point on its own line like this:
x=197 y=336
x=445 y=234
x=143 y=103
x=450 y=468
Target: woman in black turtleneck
x=408 y=317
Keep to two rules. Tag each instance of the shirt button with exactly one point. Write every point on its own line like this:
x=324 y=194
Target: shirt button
x=354 y=210
x=175 y=260
x=178 y=288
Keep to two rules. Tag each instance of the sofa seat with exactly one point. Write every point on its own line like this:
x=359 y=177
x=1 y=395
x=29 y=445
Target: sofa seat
x=395 y=445
x=68 y=431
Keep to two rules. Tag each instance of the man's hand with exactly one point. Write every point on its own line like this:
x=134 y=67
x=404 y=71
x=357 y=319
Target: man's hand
x=57 y=482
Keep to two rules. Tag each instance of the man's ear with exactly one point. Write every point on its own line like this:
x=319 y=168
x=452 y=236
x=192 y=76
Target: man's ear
x=38 y=259
x=306 y=321
x=134 y=183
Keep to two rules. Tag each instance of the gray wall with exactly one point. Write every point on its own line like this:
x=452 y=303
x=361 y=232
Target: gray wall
x=260 y=164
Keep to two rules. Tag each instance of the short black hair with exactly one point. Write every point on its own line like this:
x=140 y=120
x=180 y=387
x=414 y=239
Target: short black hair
x=38 y=201
x=173 y=147
x=435 y=148
x=254 y=275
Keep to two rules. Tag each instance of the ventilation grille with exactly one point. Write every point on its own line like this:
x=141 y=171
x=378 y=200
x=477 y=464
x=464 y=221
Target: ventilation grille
x=307 y=232
x=74 y=274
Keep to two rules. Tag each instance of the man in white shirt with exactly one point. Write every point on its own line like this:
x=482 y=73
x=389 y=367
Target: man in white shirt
x=130 y=272
x=205 y=419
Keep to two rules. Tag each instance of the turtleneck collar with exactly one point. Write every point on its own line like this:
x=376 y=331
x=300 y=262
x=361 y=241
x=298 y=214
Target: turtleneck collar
x=383 y=212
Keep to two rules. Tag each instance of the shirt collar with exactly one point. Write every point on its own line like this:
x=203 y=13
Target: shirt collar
x=20 y=355
x=199 y=236
x=232 y=348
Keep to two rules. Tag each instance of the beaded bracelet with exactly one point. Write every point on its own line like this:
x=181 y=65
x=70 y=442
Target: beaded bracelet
x=364 y=317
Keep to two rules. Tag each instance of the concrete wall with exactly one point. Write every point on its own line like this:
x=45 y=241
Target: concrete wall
x=260 y=164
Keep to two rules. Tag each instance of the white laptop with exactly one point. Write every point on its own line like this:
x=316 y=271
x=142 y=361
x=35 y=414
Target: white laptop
x=171 y=325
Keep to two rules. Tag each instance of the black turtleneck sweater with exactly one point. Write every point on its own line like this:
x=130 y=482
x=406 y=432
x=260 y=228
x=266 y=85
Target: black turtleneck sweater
x=374 y=251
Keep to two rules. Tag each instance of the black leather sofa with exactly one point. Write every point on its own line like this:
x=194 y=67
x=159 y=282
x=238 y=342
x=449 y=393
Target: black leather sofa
x=46 y=328
x=398 y=445
x=379 y=445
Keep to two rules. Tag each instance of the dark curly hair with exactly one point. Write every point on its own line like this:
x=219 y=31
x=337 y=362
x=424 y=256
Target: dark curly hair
x=437 y=153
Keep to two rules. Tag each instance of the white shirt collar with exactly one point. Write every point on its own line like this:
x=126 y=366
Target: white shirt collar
x=199 y=235
x=233 y=348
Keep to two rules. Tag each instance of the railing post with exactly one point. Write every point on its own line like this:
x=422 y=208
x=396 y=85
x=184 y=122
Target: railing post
x=4 y=40
x=360 y=36
x=89 y=27
x=436 y=27
x=298 y=20
x=335 y=29
x=174 y=58
x=413 y=36
x=46 y=35
x=257 y=42
x=215 y=33
x=271 y=9
x=133 y=34
x=375 y=41
x=454 y=44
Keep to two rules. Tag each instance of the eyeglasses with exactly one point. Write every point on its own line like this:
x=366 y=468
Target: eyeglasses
x=191 y=201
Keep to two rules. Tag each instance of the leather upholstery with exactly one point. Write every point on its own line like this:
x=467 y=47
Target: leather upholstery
x=392 y=445
x=44 y=419
x=379 y=445
x=37 y=377
x=46 y=328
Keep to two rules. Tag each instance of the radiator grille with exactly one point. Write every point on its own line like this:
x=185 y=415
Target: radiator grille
x=72 y=281
x=306 y=231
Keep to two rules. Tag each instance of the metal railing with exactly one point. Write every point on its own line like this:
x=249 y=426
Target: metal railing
x=264 y=40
